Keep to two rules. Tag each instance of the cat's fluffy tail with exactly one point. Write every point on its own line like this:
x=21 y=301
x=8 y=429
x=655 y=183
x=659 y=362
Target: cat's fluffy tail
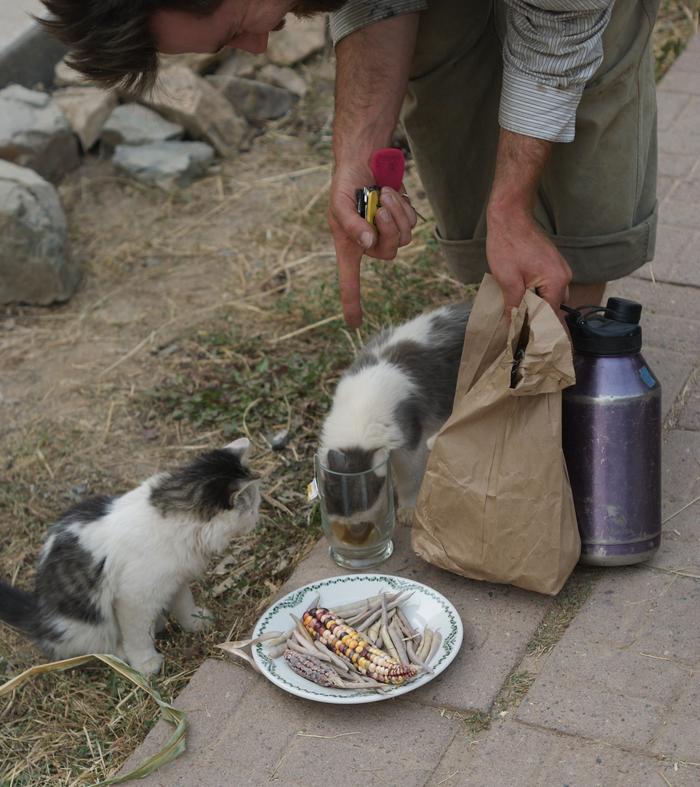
x=17 y=608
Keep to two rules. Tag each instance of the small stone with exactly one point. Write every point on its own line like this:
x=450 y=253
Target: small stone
x=164 y=163
x=256 y=101
x=239 y=64
x=133 y=124
x=65 y=76
x=35 y=133
x=283 y=76
x=298 y=39
x=186 y=98
x=35 y=262
x=87 y=108
x=279 y=440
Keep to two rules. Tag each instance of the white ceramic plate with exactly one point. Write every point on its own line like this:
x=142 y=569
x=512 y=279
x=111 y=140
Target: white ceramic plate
x=426 y=607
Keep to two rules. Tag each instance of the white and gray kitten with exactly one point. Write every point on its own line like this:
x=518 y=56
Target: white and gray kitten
x=394 y=397
x=111 y=566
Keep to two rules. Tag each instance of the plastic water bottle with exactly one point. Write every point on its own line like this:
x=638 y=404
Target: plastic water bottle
x=612 y=436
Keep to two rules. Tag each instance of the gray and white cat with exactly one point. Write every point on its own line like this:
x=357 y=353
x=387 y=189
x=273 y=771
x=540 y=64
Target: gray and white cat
x=111 y=566
x=391 y=401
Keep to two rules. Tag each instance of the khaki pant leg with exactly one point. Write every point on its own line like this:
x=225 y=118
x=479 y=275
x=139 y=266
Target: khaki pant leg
x=451 y=121
x=597 y=198
x=598 y=194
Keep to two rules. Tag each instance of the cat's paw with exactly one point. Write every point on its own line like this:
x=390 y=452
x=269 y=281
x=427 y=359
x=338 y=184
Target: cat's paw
x=149 y=665
x=200 y=620
x=404 y=516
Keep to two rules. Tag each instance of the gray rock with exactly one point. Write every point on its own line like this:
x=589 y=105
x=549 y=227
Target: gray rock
x=299 y=39
x=283 y=76
x=86 y=109
x=132 y=124
x=164 y=163
x=256 y=101
x=239 y=64
x=35 y=262
x=186 y=98
x=35 y=133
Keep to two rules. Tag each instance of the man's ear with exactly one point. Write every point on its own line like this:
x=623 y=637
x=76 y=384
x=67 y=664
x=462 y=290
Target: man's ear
x=240 y=447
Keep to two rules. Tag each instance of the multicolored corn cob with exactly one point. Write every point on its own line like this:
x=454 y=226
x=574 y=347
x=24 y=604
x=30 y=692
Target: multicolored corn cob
x=353 y=647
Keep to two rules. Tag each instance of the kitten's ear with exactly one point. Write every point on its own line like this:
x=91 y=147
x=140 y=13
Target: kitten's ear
x=379 y=462
x=430 y=442
x=244 y=488
x=335 y=460
x=240 y=447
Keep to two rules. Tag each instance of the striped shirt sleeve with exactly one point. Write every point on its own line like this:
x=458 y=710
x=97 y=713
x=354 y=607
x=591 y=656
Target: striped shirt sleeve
x=360 y=13
x=551 y=49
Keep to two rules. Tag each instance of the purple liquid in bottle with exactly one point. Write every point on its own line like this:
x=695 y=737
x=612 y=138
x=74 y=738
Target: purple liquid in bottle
x=612 y=437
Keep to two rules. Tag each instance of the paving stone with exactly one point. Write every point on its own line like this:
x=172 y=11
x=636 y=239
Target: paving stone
x=678 y=82
x=299 y=39
x=256 y=101
x=690 y=414
x=282 y=76
x=164 y=163
x=186 y=98
x=669 y=106
x=628 y=655
x=498 y=623
x=679 y=737
x=34 y=133
x=682 y=144
x=133 y=124
x=86 y=108
x=674 y=250
x=245 y=731
x=35 y=262
x=688 y=62
x=674 y=166
x=511 y=753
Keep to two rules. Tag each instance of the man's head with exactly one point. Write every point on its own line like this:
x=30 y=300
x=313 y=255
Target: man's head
x=116 y=42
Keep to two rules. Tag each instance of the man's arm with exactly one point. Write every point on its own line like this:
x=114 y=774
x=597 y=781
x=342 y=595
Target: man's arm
x=372 y=70
x=552 y=48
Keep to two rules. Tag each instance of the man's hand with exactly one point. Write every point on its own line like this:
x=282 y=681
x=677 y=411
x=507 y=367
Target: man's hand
x=519 y=254
x=371 y=80
x=353 y=236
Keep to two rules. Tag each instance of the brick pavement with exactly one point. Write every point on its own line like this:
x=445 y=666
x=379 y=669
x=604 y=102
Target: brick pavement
x=617 y=700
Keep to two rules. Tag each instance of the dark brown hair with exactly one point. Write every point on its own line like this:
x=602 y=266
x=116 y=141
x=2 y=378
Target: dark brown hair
x=110 y=41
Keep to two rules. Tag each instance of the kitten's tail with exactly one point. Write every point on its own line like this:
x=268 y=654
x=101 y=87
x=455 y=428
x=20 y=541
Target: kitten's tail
x=17 y=608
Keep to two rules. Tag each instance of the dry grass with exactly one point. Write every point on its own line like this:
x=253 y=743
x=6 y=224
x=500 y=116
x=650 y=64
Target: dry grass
x=184 y=333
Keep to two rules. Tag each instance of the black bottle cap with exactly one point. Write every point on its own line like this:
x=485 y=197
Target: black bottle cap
x=610 y=330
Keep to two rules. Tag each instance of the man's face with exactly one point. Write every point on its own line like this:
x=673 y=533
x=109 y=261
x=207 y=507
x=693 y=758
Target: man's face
x=242 y=24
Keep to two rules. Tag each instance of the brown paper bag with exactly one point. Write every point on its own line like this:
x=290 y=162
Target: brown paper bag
x=495 y=503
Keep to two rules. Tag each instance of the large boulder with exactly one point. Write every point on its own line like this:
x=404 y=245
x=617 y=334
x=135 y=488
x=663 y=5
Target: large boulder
x=186 y=98
x=256 y=101
x=87 y=109
x=35 y=133
x=164 y=163
x=133 y=124
x=298 y=39
x=35 y=261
